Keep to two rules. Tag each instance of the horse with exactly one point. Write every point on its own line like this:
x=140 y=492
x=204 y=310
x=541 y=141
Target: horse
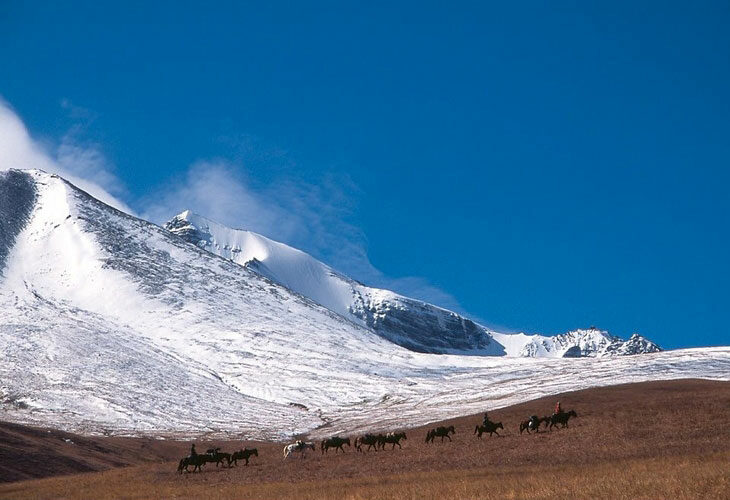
x=197 y=461
x=334 y=442
x=243 y=455
x=533 y=423
x=219 y=457
x=442 y=432
x=298 y=447
x=490 y=427
x=394 y=438
x=561 y=418
x=371 y=440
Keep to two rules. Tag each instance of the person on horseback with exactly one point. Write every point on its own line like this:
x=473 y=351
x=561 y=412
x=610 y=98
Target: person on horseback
x=193 y=453
x=485 y=421
x=558 y=409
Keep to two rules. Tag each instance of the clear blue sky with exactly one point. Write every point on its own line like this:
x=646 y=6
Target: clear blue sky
x=549 y=165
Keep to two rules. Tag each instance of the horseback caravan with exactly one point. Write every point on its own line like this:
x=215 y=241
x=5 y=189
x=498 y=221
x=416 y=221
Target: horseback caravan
x=197 y=460
x=442 y=432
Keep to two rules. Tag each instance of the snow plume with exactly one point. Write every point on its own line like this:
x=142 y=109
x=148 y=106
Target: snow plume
x=83 y=165
x=316 y=218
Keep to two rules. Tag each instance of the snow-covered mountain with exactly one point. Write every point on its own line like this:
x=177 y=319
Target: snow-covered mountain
x=110 y=324
x=410 y=323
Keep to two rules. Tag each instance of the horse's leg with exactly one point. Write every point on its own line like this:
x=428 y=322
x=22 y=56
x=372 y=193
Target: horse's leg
x=448 y=437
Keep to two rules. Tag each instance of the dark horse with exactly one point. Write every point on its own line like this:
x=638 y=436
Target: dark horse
x=394 y=438
x=334 y=442
x=561 y=418
x=197 y=461
x=243 y=455
x=369 y=439
x=533 y=423
x=217 y=456
x=490 y=427
x=442 y=432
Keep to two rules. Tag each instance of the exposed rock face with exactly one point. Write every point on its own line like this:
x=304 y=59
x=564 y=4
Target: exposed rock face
x=587 y=343
x=419 y=326
x=17 y=197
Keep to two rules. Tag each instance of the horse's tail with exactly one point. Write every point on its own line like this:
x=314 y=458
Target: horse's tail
x=321 y=446
x=286 y=450
x=181 y=465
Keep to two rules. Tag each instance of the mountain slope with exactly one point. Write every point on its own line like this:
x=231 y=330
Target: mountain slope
x=410 y=323
x=111 y=324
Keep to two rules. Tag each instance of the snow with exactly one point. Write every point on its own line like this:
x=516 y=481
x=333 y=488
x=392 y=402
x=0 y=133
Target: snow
x=405 y=321
x=113 y=325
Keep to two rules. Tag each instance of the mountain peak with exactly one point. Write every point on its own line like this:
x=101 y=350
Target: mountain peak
x=408 y=322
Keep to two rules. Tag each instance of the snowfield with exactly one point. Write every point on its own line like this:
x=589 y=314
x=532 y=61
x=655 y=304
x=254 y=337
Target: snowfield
x=407 y=322
x=111 y=324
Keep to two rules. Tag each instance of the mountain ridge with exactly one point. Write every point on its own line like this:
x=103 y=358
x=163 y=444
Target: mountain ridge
x=393 y=316
x=113 y=325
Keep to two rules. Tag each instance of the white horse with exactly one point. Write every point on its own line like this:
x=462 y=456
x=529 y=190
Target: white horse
x=298 y=447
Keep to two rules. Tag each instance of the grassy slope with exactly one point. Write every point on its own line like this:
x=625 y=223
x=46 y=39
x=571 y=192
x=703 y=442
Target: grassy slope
x=649 y=440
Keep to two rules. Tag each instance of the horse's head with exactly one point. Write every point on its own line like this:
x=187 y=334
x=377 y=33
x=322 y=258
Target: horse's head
x=451 y=429
x=498 y=425
x=572 y=413
x=403 y=436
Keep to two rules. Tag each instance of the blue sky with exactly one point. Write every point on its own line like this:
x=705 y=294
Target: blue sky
x=540 y=167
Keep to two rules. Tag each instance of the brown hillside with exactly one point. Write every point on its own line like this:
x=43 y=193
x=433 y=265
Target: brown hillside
x=650 y=434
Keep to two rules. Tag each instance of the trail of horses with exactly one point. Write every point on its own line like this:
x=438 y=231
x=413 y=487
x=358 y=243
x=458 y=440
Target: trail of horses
x=654 y=426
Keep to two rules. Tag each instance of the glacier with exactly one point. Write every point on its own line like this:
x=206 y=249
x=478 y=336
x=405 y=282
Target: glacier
x=113 y=325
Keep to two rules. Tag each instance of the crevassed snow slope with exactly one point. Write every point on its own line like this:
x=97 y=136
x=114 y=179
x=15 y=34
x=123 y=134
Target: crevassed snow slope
x=111 y=324
x=407 y=322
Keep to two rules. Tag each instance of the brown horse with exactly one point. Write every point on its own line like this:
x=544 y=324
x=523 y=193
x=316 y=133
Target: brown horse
x=533 y=423
x=490 y=427
x=442 y=432
x=394 y=438
x=371 y=440
x=562 y=419
x=243 y=455
x=334 y=442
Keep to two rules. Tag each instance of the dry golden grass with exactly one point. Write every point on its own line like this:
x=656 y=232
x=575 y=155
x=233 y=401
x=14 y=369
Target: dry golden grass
x=654 y=440
x=657 y=478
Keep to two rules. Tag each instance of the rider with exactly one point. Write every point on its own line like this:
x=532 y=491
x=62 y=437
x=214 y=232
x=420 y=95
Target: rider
x=486 y=419
x=558 y=409
x=193 y=453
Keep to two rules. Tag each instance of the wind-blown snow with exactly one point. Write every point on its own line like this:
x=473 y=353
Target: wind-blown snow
x=111 y=324
x=407 y=322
